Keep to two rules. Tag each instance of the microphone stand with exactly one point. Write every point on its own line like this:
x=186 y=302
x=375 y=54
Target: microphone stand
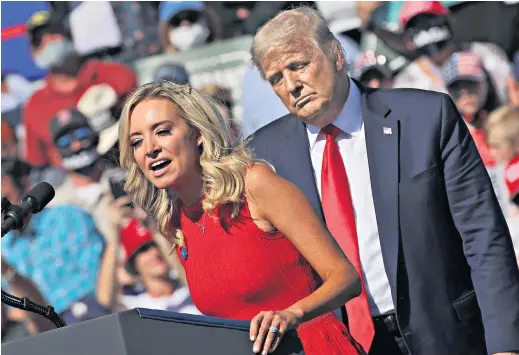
x=25 y=303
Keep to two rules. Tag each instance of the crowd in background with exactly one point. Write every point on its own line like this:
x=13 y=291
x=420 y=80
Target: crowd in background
x=91 y=252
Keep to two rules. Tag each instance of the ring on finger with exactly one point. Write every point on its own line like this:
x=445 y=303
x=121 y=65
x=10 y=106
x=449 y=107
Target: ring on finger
x=273 y=329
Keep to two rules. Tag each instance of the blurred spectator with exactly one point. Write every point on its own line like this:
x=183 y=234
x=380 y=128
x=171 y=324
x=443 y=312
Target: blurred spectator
x=428 y=33
x=468 y=86
x=172 y=72
x=502 y=130
x=69 y=78
x=238 y=18
x=23 y=173
x=143 y=259
x=513 y=83
x=9 y=142
x=223 y=96
x=138 y=22
x=60 y=251
x=12 y=329
x=184 y=25
x=80 y=148
x=21 y=286
x=15 y=92
x=371 y=70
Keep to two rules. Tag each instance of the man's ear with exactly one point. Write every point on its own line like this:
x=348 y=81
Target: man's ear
x=341 y=61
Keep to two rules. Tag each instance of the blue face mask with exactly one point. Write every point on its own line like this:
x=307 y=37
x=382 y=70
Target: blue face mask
x=54 y=54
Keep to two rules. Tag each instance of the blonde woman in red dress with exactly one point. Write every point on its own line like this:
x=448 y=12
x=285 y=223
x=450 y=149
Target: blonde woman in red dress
x=251 y=244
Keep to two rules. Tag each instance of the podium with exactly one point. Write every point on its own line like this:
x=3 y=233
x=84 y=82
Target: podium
x=148 y=332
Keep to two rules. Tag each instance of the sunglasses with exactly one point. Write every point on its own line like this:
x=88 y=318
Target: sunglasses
x=79 y=134
x=458 y=88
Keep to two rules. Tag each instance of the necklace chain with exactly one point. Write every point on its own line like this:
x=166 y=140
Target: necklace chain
x=202 y=225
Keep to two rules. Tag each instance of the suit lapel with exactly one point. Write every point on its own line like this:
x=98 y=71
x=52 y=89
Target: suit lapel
x=382 y=144
x=294 y=159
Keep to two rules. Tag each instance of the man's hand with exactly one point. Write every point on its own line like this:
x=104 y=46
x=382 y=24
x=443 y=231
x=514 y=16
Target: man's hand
x=119 y=211
x=506 y=354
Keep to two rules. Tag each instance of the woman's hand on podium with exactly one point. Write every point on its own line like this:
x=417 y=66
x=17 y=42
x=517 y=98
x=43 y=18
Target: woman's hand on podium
x=267 y=329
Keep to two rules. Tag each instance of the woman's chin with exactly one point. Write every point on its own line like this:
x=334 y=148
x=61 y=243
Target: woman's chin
x=162 y=182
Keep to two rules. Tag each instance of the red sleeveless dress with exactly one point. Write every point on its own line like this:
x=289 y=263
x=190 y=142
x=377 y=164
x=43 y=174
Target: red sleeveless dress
x=235 y=270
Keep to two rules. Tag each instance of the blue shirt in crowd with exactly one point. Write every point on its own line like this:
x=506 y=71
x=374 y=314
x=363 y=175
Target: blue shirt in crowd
x=60 y=251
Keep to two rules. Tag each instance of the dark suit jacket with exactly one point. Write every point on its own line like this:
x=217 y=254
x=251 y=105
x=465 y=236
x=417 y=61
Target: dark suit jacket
x=446 y=246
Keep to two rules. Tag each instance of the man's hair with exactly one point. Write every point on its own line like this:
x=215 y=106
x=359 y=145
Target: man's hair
x=502 y=125
x=292 y=28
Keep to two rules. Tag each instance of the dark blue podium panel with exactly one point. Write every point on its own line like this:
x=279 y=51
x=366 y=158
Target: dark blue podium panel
x=148 y=332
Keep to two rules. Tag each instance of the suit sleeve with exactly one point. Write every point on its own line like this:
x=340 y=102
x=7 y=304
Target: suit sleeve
x=486 y=239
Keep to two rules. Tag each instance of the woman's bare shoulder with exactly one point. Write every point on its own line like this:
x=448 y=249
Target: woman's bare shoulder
x=258 y=176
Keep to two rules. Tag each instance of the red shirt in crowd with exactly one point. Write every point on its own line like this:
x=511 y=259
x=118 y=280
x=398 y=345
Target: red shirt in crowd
x=512 y=176
x=483 y=148
x=46 y=102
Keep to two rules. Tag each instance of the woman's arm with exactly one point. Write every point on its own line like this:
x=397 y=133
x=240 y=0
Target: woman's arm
x=274 y=200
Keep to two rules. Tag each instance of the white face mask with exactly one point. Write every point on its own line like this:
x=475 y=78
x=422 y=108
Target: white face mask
x=54 y=53
x=186 y=37
x=85 y=158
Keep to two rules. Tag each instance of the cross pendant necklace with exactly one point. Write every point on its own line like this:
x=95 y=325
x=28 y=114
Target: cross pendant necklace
x=202 y=225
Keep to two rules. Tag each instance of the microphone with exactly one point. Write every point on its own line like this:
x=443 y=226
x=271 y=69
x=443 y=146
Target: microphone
x=34 y=201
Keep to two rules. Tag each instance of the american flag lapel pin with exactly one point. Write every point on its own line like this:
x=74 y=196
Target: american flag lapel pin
x=387 y=130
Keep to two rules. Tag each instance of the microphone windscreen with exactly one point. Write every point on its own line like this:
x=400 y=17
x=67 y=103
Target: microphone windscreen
x=41 y=194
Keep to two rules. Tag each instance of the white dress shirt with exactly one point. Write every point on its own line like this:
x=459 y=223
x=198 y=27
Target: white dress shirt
x=352 y=145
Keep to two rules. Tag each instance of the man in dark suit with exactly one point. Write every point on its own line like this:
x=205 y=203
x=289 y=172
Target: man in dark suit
x=397 y=178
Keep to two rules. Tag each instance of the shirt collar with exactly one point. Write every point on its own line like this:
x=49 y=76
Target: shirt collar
x=349 y=119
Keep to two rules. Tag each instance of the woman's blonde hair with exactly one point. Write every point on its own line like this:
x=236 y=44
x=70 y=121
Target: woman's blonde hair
x=223 y=162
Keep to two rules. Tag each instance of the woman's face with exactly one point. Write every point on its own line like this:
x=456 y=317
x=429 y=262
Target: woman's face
x=165 y=148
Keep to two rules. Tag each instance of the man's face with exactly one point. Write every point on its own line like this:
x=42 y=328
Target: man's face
x=77 y=148
x=304 y=78
x=150 y=264
x=469 y=96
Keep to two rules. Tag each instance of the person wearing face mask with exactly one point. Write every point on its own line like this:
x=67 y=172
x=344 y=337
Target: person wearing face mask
x=184 y=25
x=80 y=148
x=69 y=77
x=428 y=33
x=468 y=85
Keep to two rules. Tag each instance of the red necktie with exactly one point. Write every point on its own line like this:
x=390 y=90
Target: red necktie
x=340 y=219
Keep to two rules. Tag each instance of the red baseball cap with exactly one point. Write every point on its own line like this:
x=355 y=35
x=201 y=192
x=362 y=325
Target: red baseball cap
x=134 y=238
x=415 y=8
